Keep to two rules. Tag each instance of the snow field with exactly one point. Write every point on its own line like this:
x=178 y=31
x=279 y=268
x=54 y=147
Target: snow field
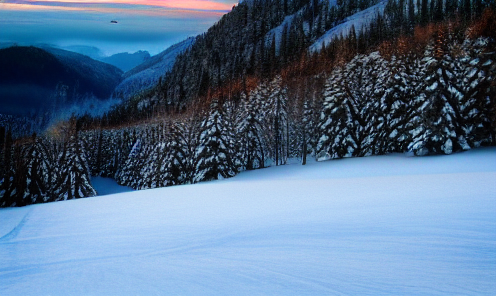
x=386 y=225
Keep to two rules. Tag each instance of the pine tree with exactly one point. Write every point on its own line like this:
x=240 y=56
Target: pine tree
x=130 y=173
x=440 y=114
x=179 y=161
x=74 y=177
x=335 y=140
x=252 y=146
x=310 y=118
x=402 y=104
x=39 y=172
x=214 y=155
x=274 y=100
x=7 y=193
x=473 y=90
x=149 y=160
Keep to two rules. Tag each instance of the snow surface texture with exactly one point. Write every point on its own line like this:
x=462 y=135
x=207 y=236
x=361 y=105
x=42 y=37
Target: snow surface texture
x=358 y=20
x=384 y=225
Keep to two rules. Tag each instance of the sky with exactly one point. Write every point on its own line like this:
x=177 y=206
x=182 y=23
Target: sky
x=151 y=25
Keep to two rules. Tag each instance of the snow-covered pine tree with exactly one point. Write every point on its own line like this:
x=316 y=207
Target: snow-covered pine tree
x=439 y=130
x=276 y=106
x=74 y=176
x=7 y=173
x=178 y=164
x=14 y=182
x=19 y=182
x=110 y=153
x=474 y=91
x=402 y=103
x=252 y=148
x=213 y=154
x=130 y=172
x=312 y=102
x=334 y=132
x=39 y=172
x=149 y=160
x=367 y=79
x=160 y=177
x=233 y=115
x=93 y=142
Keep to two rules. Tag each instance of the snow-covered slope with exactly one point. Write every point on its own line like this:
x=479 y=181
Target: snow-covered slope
x=278 y=31
x=358 y=20
x=386 y=225
x=148 y=73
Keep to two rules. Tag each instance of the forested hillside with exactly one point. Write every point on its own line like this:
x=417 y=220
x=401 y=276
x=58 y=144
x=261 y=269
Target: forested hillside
x=418 y=78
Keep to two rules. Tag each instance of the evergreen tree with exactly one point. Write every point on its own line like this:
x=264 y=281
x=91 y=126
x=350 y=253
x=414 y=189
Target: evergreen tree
x=74 y=177
x=7 y=186
x=473 y=90
x=440 y=111
x=276 y=117
x=179 y=161
x=130 y=173
x=335 y=140
x=252 y=146
x=214 y=155
x=402 y=103
x=39 y=172
x=365 y=85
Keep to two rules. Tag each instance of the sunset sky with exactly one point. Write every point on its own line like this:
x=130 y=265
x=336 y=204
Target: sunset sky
x=151 y=25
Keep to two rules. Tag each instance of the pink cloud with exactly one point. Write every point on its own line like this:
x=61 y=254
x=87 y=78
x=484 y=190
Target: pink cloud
x=179 y=4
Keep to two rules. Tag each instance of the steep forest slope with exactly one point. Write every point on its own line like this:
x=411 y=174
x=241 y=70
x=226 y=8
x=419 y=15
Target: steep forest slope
x=243 y=44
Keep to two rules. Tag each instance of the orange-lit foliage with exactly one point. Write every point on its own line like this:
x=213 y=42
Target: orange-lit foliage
x=422 y=35
x=387 y=48
x=485 y=26
x=61 y=130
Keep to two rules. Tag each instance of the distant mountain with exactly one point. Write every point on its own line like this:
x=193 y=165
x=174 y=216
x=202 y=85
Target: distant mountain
x=147 y=74
x=7 y=44
x=34 y=78
x=126 y=61
x=91 y=51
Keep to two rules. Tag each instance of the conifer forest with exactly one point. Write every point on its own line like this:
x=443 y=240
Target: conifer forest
x=275 y=80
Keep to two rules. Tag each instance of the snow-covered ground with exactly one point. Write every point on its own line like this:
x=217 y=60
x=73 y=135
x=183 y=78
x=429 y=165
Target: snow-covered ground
x=385 y=225
x=106 y=186
x=358 y=20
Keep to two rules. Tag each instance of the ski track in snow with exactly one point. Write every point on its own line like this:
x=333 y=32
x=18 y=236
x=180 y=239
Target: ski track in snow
x=385 y=225
x=15 y=231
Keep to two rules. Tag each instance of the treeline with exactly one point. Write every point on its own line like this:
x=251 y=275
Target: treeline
x=438 y=100
x=44 y=169
x=432 y=90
